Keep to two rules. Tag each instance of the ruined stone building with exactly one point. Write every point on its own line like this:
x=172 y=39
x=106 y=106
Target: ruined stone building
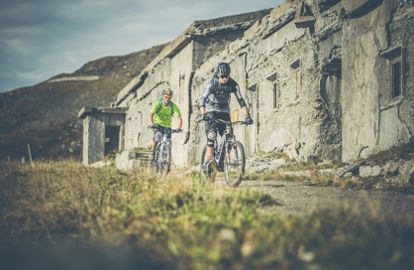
x=325 y=80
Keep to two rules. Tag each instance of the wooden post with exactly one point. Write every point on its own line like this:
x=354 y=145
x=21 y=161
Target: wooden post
x=30 y=155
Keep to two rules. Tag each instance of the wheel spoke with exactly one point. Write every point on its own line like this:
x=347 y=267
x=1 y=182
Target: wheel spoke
x=234 y=165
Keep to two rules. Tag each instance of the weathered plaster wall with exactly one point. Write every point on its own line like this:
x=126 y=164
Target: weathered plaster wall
x=93 y=140
x=181 y=67
x=296 y=123
x=171 y=73
x=94 y=124
x=137 y=116
x=397 y=114
x=285 y=57
x=293 y=121
x=360 y=83
x=330 y=73
x=371 y=122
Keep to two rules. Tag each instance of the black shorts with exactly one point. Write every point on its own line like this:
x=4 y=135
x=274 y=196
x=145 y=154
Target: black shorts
x=212 y=127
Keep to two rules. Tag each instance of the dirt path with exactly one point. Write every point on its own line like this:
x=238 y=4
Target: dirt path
x=296 y=198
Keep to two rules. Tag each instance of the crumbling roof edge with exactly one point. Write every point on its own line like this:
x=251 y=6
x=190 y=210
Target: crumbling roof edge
x=176 y=45
x=85 y=111
x=205 y=25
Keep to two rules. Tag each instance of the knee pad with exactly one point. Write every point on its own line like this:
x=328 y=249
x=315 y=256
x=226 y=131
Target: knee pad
x=210 y=143
x=158 y=136
x=211 y=135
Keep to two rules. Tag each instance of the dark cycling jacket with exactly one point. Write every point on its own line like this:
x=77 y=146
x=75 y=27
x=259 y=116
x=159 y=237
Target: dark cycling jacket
x=216 y=96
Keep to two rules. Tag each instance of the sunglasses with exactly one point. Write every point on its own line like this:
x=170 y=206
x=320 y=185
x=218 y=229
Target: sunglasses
x=223 y=76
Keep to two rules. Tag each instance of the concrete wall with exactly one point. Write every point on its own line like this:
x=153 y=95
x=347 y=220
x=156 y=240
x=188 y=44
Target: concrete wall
x=285 y=57
x=396 y=123
x=373 y=121
x=175 y=70
x=94 y=124
x=171 y=73
x=328 y=63
x=342 y=111
x=93 y=140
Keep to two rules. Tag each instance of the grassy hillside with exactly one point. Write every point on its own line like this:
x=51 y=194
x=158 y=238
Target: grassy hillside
x=45 y=115
x=64 y=215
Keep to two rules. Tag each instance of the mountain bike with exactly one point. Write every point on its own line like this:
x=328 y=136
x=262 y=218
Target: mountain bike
x=161 y=161
x=229 y=156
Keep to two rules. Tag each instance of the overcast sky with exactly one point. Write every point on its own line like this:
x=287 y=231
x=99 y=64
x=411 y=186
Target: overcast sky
x=43 y=38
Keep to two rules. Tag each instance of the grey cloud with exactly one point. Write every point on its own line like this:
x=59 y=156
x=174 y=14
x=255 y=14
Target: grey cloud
x=41 y=38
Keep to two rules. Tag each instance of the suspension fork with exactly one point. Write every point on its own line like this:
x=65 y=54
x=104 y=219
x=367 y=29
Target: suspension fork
x=160 y=151
x=221 y=152
x=229 y=144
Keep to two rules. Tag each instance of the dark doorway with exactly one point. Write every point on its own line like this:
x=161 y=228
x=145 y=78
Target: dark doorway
x=331 y=95
x=331 y=89
x=111 y=139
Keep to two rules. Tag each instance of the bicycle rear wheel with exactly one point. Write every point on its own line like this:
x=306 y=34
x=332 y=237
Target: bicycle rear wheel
x=208 y=169
x=234 y=164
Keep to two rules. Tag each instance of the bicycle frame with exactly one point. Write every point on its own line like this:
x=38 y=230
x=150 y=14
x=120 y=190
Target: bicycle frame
x=165 y=140
x=229 y=156
x=220 y=150
x=163 y=147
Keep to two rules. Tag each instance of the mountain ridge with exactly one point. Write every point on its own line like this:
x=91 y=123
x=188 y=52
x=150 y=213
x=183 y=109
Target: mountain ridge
x=37 y=115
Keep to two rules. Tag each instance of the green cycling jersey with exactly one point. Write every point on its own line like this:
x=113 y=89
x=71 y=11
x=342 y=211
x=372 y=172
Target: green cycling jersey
x=163 y=114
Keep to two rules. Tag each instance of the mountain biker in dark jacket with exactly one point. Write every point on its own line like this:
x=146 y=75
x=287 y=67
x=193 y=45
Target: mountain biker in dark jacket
x=215 y=104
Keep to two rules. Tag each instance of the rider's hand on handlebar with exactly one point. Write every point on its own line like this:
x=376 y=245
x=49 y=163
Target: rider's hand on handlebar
x=205 y=117
x=249 y=120
x=180 y=130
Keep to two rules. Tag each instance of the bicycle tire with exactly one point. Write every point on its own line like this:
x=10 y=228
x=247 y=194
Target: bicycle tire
x=234 y=164
x=155 y=160
x=164 y=160
x=206 y=172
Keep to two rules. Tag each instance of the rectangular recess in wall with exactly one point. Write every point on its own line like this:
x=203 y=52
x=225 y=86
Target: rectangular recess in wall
x=252 y=88
x=391 y=53
x=394 y=57
x=272 y=77
x=326 y=4
x=296 y=77
x=275 y=99
x=295 y=64
x=396 y=79
x=275 y=96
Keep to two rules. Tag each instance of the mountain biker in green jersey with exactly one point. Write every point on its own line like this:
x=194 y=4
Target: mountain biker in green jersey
x=161 y=115
x=214 y=104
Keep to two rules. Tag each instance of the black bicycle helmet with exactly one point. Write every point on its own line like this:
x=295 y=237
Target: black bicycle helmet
x=223 y=69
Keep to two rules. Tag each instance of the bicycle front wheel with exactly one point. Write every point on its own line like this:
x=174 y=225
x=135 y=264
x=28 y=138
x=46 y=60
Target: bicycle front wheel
x=164 y=159
x=208 y=169
x=234 y=164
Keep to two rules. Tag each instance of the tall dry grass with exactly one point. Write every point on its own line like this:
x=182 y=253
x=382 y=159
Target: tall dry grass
x=180 y=222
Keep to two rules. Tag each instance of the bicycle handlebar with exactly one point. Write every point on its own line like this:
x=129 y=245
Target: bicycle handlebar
x=220 y=121
x=177 y=130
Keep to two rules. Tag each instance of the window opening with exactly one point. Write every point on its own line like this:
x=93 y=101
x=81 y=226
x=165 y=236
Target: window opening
x=275 y=99
x=396 y=79
x=394 y=57
x=297 y=78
